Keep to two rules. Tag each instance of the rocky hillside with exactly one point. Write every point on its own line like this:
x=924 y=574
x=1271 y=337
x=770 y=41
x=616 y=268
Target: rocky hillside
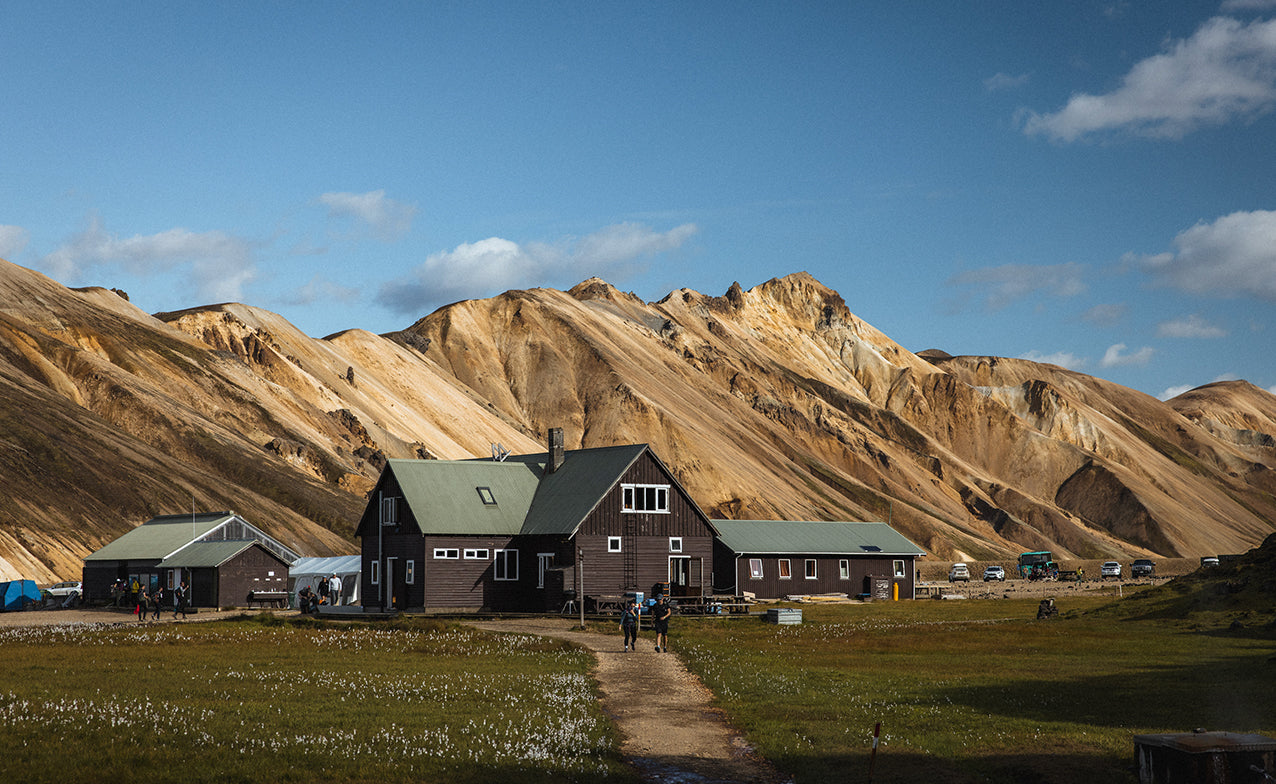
x=776 y=402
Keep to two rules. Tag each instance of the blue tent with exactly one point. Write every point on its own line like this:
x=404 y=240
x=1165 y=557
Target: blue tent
x=19 y=593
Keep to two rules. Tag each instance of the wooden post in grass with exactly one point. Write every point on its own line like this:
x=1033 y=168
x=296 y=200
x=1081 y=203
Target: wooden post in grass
x=872 y=755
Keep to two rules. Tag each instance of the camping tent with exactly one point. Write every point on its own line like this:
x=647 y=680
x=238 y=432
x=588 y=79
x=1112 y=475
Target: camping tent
x=18 y=594
x=307 y=571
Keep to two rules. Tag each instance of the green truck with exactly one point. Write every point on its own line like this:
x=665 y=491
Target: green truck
x=1038 y=565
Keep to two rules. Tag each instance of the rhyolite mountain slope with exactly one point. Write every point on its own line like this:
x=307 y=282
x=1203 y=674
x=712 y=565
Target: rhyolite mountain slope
x=776 y=402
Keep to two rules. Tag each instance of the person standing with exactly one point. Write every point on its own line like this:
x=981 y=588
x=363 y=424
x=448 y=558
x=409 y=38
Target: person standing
x=324 y=586
x=334 y=589
x=157 y=600
x=179 y=600
x=629 y=624
x=139 y=603
x=660 y=622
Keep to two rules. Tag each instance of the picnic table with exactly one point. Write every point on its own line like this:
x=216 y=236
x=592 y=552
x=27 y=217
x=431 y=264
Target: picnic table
x=268 y=598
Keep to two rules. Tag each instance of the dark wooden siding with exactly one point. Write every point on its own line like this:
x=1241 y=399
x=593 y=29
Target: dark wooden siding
x=254 y=569
x=470 y=582
x=645 y=538
x=402 y=547
x=828 y=575
x=98 y=576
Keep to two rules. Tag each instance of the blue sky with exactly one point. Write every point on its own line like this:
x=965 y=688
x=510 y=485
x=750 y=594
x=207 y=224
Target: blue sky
x=1086 y=183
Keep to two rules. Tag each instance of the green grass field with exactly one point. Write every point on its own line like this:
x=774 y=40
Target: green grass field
x=965 y=692
x=264 y=701
x=976 y=691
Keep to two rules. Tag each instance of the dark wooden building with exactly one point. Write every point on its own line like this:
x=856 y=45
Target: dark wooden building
x=518 y=534
x=221 y=556
x=773 y=559
x=226 y=574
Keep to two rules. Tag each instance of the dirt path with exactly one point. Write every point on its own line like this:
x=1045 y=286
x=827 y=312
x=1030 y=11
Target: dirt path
x=672 y=734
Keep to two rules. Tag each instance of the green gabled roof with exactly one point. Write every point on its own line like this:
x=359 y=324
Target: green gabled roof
x=199 y=555
x=444 y=496
x=779 y=537
x=566 y=497
x=159 y=537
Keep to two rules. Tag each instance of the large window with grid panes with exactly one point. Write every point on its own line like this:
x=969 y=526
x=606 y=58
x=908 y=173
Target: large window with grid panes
x=644 y=498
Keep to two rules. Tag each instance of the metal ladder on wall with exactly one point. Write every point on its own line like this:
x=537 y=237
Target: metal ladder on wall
x=629 y=546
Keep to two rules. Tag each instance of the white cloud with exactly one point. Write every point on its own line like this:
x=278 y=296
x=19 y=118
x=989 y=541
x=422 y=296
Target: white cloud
x=495 y=264
x=218 y=265
x=1234 y=255
x=1107 y=315
x=320 y=289
x=1115 y=356
x=1193 y=326
x=1248 y=5
x=1000 y=286
x=12 y=240
x=1004 y=81
x=1060 y=358
x=1225 y=71
x=388 y=219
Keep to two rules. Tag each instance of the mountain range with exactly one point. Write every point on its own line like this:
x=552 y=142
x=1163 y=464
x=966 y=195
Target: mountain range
x=771 y=403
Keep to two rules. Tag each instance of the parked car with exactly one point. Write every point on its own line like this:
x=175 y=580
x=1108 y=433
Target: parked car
x=1209 y=561
x=1142 y=568
x=959 y=573
x=994 y=573
x=1110 y=569
x=65 y=589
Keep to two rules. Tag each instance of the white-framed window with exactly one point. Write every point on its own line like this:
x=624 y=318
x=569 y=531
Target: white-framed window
x=476 y=554
x=899 y=569
x=449 y=553
x=810 y=569
x=389 y=511
x=409 y=573
x=755 y=568
x=376 y=572
x=644 y=498
x=543 y=562
x=675 y=544
x=844 y=569
x=785 y=574
x=613 y=544
x=485 y=495
x=506 y=565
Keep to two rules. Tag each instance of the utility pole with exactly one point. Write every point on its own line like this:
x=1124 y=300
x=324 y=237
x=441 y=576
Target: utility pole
x=580 y=572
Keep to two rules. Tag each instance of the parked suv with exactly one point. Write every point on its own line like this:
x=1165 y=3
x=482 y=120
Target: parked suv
x=1110 y=569
x=994 y=573
x=1142 y=568
x=959 y=573
x=65 y=589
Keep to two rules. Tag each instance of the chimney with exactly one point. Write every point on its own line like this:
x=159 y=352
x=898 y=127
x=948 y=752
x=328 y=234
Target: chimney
x=555 y=450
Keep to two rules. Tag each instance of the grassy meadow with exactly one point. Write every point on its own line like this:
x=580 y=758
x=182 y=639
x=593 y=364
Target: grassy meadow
x=266 y=701
x=977 y=691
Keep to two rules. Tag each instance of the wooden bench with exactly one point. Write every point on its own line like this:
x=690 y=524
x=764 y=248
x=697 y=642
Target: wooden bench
x=268 y=598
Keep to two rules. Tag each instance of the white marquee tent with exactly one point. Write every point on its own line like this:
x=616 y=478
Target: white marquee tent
x=308 y=571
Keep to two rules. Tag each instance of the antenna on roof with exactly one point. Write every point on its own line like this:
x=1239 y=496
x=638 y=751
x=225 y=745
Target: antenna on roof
x=499 y=453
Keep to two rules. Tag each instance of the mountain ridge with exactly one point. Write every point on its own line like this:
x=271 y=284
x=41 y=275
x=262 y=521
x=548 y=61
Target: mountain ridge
x=771 y=402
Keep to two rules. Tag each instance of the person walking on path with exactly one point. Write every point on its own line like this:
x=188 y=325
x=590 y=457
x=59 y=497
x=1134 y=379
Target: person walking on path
x=629 y=624
x=660 y=622
x=179 y=600
x=139 y=604
x=157 y=600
